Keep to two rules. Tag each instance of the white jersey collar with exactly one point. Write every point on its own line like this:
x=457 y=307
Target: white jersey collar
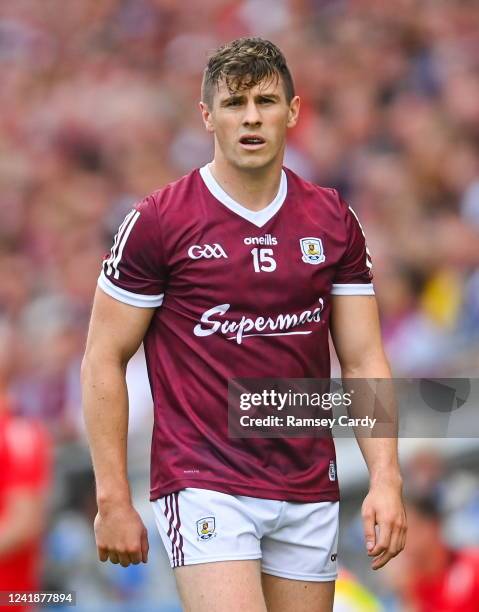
x=259 y=217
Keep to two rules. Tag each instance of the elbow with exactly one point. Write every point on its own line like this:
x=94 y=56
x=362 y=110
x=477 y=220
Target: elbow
x=91 y=366
x=96 y=362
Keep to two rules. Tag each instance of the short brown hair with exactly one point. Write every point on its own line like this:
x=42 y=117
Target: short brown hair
x=244 y=63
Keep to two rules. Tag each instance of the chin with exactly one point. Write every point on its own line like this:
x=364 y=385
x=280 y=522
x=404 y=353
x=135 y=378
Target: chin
x=253 y=162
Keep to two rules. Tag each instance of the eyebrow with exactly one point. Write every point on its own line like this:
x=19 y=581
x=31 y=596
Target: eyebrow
x=241 y=97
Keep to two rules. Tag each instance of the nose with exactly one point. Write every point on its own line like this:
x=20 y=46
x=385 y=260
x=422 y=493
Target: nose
x=252 y=115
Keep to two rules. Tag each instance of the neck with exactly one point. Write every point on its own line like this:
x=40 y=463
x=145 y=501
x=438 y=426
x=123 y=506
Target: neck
x=253 y=188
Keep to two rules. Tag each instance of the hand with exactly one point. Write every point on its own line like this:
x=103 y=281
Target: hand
x=383 y=506
x=121 y=535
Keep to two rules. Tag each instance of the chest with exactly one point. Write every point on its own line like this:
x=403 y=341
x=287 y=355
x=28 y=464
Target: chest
x=291 y=261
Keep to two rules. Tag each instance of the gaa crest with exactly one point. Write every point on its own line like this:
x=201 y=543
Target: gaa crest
x=312 y=249
x=205 y=527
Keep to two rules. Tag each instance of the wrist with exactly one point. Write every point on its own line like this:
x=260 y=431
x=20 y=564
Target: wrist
x=386 y=477
x=108 y=499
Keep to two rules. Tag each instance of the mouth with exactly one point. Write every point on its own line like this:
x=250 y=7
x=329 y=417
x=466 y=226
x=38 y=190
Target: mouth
x=252 y=142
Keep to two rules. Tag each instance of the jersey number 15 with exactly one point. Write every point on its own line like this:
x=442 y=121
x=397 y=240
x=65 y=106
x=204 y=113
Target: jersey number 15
x=263 y=260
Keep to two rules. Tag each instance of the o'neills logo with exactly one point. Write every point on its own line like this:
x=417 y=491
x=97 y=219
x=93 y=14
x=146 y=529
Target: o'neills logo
x=212 y=322
x=266 y=239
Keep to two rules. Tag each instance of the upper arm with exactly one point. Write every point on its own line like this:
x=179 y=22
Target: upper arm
x=130 y=287
x=354 y=326
x=116 y=329
x=356 y=335
x=353 y=274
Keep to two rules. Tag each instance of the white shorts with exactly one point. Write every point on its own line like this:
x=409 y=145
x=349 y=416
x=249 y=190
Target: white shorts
x=293 y=540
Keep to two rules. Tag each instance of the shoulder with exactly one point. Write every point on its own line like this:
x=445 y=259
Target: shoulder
x=468 y=557
x=328 y=198
x=171 y=196
x=317 y=193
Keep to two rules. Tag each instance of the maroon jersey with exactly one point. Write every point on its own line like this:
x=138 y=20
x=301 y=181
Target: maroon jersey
x=238 y=294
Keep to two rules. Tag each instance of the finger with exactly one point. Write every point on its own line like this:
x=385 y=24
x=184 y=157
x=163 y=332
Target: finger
x=102 y=554
x=135 y=557
x=382 y=559
x=400 y=538
x=393 y=549
x=395 y=544
x=145 y=547
x=403 y=538
x=124 y=559
x=369 y=530
x=114 y=557
x=384 y=539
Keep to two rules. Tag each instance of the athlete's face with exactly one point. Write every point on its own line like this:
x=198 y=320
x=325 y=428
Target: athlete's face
x=250 y=126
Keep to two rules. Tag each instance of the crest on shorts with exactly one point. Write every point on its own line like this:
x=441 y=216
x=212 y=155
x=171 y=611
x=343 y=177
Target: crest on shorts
x=312 y=249
x=205 y=527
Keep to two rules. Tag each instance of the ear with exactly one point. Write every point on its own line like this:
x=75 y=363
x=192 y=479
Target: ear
x=293 y=112
x=207 y=117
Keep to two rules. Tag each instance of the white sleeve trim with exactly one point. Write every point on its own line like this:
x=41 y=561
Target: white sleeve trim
x=352 y=289
x=127 y=297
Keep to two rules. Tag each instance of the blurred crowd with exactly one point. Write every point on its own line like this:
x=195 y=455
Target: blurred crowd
x=100 y=107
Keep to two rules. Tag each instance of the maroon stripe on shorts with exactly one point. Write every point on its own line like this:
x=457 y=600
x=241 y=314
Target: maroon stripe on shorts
x=178 y=525
x=169 y=517
x=175 y=533
x=169 y=511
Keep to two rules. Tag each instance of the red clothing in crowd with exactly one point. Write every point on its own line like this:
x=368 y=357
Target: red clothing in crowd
x=455 y=589
x=25 y=464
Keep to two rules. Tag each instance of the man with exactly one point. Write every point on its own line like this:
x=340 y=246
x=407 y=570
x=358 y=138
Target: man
x=24 y=483
x=431 y=576
x=209 y=272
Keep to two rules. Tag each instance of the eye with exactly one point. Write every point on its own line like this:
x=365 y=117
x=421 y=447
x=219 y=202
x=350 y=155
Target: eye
x=234 y=102
x=266 y=101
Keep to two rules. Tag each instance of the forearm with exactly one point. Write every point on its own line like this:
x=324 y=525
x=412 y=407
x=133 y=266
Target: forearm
x=381 y=457
x=380 y=453
x=365 y=370
x=105 y=410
